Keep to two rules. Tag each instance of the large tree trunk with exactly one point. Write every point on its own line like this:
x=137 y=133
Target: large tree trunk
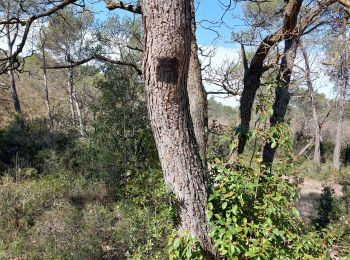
x=317 y=125
x=282 y=93
x=197 y=95
x=167 y=25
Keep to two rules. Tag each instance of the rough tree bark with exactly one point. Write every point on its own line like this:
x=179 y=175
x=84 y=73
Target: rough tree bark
x=282 y=93
x=167 y=25
x=195 y=88
x=197 y=94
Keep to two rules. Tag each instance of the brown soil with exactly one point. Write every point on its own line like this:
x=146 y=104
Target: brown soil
x=310 y=191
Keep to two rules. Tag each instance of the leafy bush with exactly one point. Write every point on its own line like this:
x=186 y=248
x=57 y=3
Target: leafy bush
x=182 y=246
x=253 y=215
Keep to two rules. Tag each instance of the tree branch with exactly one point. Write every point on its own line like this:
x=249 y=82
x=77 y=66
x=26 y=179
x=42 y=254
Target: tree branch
x=344 y=3
x=99 y=58
x=28 y=24
x=120 y=5
x=244 y=58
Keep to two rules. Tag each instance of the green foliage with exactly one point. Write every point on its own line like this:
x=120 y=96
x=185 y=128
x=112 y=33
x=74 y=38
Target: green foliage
x=327 y=207
x=182 y=246
x=121 y=142
x=253 y=215
x=252 y=208
x=66 y=216
x=310 y=170
x=221 y=120
x=27 y=144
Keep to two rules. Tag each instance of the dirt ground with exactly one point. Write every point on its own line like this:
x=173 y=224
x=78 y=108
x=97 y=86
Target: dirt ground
x=310 y=190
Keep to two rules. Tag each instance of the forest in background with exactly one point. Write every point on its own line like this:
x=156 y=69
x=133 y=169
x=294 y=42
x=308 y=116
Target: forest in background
x=111 y=147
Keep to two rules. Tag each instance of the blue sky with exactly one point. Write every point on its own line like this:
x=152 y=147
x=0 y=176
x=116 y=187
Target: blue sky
x=210 y=11
x=214 y=10
x=206 y=10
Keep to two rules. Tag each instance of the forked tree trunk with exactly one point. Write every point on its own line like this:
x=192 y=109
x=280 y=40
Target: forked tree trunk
x=197 y=95
x=167 y=25
x=282 y=94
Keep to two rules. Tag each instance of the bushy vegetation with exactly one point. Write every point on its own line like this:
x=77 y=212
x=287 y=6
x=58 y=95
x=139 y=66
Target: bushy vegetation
x=99 y=196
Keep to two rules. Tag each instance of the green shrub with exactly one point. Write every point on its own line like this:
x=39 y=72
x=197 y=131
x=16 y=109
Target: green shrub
x=255 y=217
x=67 y=216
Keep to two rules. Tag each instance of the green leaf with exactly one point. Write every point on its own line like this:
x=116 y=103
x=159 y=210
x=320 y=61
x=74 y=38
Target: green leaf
x=177 y=243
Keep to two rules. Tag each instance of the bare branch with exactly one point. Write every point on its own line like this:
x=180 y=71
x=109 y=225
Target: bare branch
x=28 y=24
x=99 y=58
x=120 y=5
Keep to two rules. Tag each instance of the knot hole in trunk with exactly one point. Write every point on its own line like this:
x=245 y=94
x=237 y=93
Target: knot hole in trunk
x=168 y=70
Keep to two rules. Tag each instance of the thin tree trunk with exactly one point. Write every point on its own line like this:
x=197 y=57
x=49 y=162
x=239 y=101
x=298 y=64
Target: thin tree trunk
x=12 y=83
x=344 y=81
x=282 y=94
x=10 y=72
x=46 y=89
x=317 y=125
x=341 y=103
x=79 y=114
x=197 y=95
x=167 y=25
x=70 y=89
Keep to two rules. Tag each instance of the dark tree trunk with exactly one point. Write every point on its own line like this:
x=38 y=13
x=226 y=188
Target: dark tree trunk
x=282 y=93
x=197 y=95
x=256 y=68
x=12 y=83
x=167 y=25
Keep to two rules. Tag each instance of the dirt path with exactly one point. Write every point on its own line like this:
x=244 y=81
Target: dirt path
x=310 y=190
